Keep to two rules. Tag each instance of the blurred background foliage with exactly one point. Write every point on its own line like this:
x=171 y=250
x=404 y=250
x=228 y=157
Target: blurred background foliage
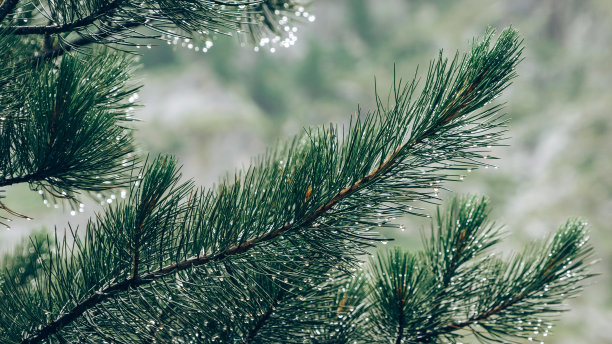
x=216 y=110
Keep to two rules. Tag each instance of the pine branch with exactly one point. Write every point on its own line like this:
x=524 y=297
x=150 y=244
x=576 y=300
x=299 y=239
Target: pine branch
x=64 y=130
x=116 y=22
x=549 y=277
x=103 y=11
x=486 y=296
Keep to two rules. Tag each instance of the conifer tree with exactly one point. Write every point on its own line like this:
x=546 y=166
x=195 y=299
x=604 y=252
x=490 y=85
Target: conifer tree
x=275 y=253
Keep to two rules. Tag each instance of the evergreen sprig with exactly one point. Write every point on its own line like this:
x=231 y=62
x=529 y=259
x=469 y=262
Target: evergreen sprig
x=63 y=26
x=64 y=128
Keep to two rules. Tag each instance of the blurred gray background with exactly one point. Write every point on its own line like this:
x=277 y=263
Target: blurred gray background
x=216 y=110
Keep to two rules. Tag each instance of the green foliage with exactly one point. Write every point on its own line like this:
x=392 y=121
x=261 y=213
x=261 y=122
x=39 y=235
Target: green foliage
x=65 y=129
x=67 y=25
x=457 y=287
x=271 y=254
